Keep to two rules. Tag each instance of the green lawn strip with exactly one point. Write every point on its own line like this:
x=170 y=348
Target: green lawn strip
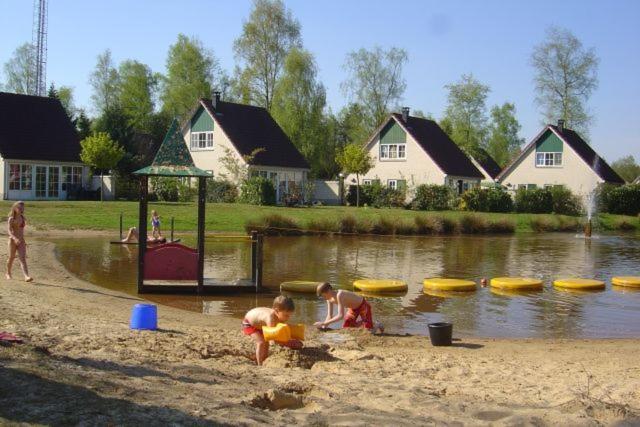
x=224 y=217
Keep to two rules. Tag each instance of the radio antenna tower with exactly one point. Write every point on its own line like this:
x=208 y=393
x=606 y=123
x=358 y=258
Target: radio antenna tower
x=39 y=41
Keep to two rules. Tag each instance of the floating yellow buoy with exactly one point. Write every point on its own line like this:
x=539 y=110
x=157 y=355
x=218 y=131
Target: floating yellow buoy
x=516 y=283
x=446 y=294
x=579 y=284
x=442 y=284
x=301 y=286
x=629 y=281
x=513 y=292
x=378 y=286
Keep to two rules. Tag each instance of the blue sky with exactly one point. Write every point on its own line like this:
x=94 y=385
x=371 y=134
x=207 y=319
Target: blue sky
x=491 y=39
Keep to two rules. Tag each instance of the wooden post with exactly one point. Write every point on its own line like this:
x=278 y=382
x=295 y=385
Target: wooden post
x=171 y=230
x=142 y=229
x=260 y=255
x=121 y=226
x=202 y=193
x=254 y=256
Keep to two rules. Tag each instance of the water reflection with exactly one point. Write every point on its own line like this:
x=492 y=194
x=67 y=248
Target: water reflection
x=486 y=312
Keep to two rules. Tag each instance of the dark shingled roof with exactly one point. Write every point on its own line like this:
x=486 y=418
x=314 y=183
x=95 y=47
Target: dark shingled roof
x=437 y=144
x=488 y=164
x=250 y=128
x=584 y=150
x=36 y=128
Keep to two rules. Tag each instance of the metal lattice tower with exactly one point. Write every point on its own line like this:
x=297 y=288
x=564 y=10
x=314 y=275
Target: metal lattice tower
x=39 y=41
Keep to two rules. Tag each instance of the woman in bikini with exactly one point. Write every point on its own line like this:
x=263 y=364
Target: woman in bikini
x=155 y=237
x=16 y=225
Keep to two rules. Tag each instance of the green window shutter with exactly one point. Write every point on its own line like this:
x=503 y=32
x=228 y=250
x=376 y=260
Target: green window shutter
x=402 y=184
x=393 y=134
x=549 y=143
x=201 y=121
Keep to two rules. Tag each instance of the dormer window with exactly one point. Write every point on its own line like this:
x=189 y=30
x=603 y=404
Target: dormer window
x=201 y=140
x=393 y=151
x=548 y=159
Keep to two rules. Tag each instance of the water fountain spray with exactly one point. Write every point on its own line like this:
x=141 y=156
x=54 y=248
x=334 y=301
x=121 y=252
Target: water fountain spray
x=591 y=207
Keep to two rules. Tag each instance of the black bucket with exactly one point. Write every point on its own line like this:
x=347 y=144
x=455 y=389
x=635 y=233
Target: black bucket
x=440 y=333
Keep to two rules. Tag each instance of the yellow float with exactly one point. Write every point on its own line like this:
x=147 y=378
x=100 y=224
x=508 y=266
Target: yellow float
x=511 y=293
x=516 y=283
x=299 y=286
x=442 y=284
x=380 y=286
x=283 y=332
x=446 y=294
x=627 y=281
x=579 y=284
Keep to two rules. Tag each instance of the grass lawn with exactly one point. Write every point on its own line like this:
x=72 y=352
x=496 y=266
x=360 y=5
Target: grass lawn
x=222 y=217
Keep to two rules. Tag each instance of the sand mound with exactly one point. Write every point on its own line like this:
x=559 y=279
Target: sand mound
x=282 y=357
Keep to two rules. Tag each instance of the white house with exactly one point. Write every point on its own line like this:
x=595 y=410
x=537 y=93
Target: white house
x=558 y=156
x=216 y=128
x=409 y=151
x=39 y=150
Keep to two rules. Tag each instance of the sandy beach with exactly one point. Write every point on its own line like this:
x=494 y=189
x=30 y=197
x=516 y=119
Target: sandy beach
x=80 y=364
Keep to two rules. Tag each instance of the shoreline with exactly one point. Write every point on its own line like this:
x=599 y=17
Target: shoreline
x=197 y=370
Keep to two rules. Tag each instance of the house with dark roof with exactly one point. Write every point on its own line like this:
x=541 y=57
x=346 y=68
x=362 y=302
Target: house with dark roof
x=409 y=151
x=558 y=156
x=217 y=129
x=39 y=149
x=485 y=164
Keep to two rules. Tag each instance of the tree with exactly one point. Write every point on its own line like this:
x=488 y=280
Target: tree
x=353 y=125
x=565 y=78
x=298 y=106
x=83 y=125
x=100 y=152
x=627 y=168
x=375 y=81
x=504 y=143
x=115 y=123
x=65 y=95
x=466 y=112
x=105 y=83
x=355 y=159
x=137 y=91
x=21 y=71
x=191 y=71
x=266 y=39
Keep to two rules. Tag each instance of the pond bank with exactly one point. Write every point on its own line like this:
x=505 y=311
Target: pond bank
x=197 y=370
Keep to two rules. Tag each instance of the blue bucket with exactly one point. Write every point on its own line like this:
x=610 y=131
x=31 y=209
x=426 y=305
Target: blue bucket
x=144 y=316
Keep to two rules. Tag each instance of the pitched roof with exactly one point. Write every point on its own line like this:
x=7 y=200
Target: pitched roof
x=250 y=128
x=36 y=128
x=437 y=144
x=487 y=162
x=581 y=147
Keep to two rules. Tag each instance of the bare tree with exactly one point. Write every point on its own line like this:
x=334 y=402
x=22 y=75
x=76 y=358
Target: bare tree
x=21 y=71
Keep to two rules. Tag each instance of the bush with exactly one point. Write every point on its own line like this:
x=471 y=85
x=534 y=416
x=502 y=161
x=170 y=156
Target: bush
x=427 y=225
x=432 y=198
x=258 y=190
x=383 y=226
x=165 y=189
x=473 y=224
x=501 y=226
x=486 y=200
x=536 y=200
x=565 y=202
x=348 y=224
x=622 y=199
x=127 y=188
x=376 y=195
x=220 y=191
x=323 y=225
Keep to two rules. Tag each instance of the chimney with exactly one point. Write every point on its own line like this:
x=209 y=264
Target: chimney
x=405 y=114
x=215 y=99
x=561 y=125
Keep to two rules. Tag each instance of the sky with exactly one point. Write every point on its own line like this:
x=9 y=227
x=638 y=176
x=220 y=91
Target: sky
x=493 y=40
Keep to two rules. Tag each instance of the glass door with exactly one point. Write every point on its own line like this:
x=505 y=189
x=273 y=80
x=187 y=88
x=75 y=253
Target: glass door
x=41 y=182
x=54 y=182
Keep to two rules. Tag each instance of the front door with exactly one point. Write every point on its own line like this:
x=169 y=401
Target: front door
x=47 y=182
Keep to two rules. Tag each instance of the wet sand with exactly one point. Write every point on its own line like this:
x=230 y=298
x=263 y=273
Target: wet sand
x=80 y=363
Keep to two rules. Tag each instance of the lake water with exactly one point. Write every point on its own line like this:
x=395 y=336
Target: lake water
x=614 y=312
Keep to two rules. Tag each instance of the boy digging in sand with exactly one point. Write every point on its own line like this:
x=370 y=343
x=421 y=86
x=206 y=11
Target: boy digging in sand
x=258 y=317
x=358 y=309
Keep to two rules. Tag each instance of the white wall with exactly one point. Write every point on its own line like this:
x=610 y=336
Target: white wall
x=31 y=194
x=327 y=192
x=109 y=189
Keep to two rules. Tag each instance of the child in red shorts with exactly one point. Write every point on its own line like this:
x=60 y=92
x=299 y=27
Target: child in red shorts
x=258 y=317
x=358 y=311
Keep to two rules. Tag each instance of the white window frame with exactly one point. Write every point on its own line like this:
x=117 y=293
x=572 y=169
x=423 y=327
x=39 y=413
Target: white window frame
x=393 y=152
x=551 y=159
x=522 y=186
x=201 y=141
x=367 y=181
x=392 y=183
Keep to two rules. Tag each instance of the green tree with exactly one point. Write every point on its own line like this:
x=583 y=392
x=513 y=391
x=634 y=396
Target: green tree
x=137 y=91
x=375 y=81
x=65 y=95
x=504 y=143
x=20 y=70
x=565 y=78
x=115 y=123
x=354 y=129
x=267 y=37
x=466 y=112
x=627 y=168
x=191 y=71
x=355 y=159
x=105 y=83
x=83 y=125
x=298 y=106
x=101 y=152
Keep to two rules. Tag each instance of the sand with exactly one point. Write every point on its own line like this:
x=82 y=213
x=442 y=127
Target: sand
x=80 y=364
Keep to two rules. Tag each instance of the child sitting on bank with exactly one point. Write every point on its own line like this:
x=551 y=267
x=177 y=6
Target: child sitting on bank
x=358 y=313
x=258 y=317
